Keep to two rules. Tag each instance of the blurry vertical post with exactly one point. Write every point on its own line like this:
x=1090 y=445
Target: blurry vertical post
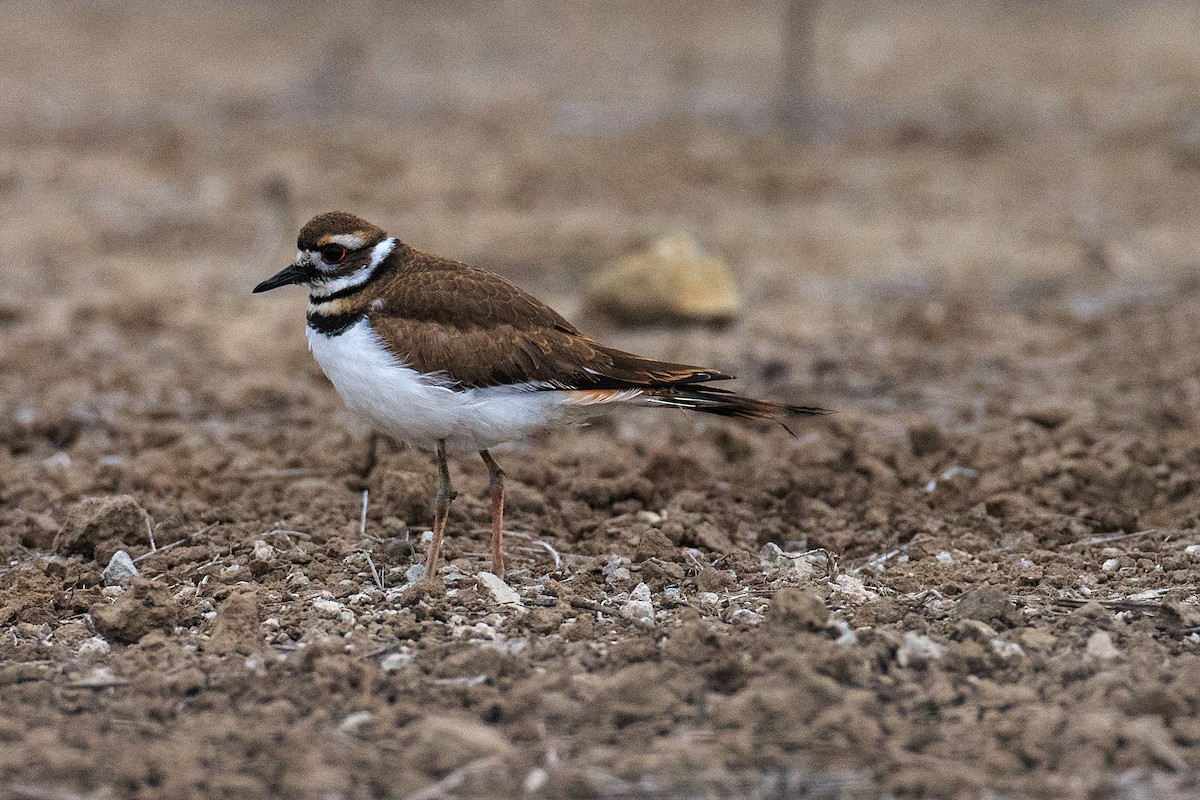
x=796 y=102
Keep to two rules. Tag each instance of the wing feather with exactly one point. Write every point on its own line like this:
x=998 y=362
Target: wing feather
x=477 y=329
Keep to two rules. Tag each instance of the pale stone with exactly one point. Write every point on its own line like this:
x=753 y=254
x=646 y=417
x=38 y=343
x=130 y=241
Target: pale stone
x=500 y=591
x=120 y=570
x=672 y=280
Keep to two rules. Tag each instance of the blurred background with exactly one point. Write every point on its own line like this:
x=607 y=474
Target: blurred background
x=869 y=171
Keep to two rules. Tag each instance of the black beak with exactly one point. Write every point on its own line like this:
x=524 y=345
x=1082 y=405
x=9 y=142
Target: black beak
x=285 y=277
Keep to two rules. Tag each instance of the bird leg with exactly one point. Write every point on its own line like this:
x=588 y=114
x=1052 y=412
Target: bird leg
x=364 y=470
x=496 y=485
x=445 y=494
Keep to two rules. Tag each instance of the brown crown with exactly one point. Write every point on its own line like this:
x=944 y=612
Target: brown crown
x=318 y=230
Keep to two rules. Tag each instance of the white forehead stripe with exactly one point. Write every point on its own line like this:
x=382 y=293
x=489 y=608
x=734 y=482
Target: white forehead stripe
x=323 y=288
x=350 y=241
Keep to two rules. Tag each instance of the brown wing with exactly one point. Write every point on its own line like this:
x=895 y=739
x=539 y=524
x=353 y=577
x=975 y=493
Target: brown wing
x=479 y=330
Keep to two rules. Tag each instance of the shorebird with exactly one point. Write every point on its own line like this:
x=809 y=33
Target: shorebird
x=451 y=358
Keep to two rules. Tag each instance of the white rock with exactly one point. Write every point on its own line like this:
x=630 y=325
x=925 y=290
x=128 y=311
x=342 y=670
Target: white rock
x=1110 y=564
x=534 y=780
x=396 y=661
x=327 y=607
x=618 y=575
x=614 y=572
x=944 y=557
x=638 y=607
x=744 y=616
x=1007 y=650
x=1101 y=648
x=354 y=721
x=263 y=551
x=500 y=591
x=853 y=589
x=120 y=570
x=671 y=280
x=798 y=564
x=918 y=650
x=710 y=599
x=95 y=646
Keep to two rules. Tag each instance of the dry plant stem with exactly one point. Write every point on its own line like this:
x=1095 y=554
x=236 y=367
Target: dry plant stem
x=496 y=485
x=445 y=494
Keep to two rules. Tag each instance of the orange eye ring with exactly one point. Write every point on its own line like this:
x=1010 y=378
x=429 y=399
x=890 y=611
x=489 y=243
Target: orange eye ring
x=333 y=253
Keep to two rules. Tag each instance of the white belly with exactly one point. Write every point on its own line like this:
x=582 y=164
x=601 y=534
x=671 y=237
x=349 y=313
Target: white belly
x=419 y=410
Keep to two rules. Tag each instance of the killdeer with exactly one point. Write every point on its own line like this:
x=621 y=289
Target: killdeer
x=451 y=358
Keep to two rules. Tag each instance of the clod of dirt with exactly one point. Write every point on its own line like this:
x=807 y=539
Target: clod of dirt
x=654 y=544
x=236 y=626
x=1048 y=414
x=30 y=530
x=438 y=745
x=925 y=437
x=120 y=570
x=988 y=604
x=95 y=521
x=798 y=610
x=143 y=608
x=672 y=280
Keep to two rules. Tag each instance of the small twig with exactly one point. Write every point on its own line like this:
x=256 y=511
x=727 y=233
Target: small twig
x=375 y=574
x=285 y=532
x=550 y=549
x=162 y=549
x=1115 y=537
x=150 y=533
x=362 y=522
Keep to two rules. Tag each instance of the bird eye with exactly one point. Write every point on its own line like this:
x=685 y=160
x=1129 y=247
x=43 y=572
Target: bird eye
x=333 y=253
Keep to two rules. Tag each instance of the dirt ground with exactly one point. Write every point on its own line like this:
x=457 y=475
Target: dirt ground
x=977 y=579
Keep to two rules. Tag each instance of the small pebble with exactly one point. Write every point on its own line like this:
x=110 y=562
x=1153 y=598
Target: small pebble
x=638 y=607
x=354 y=721
x=120 y=570
x=500 y=591
x=918 y=650
x=1101 y=648
x=263 y=551
x=95 y=646
x=396 y=661
x=534 y=780
x=744 y=616
x=327 y=607
x=853 y=588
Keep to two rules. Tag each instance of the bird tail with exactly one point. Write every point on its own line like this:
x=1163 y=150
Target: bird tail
x=725 y=403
